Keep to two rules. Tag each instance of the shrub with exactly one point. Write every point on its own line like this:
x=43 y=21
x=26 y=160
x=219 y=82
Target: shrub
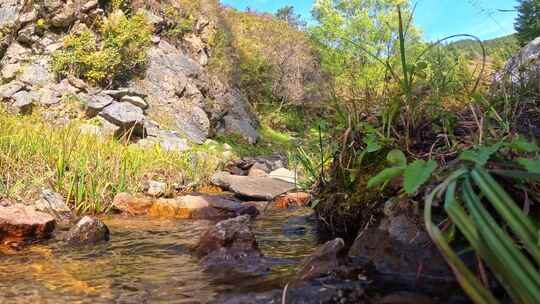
x=121 y=51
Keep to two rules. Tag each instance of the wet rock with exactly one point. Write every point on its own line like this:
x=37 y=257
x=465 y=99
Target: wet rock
x=9 y=89
x=406 y=298
x=300 y=224
x=327 y=290
x=93 y=104
x=231 y=246
x=206 y=207
x=124 y=115
x=20 y=223
x=284 y=175
x=256 y=188
x=88 y=231
x=265 y=163
x=322 y=262
x=136 y=101
x=156 y=188
x=403 y=254
x=54 y=204
x=296 y=199
x=132 y=204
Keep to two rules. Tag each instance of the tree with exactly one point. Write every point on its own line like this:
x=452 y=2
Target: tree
x=288 y=15
x=528 y=21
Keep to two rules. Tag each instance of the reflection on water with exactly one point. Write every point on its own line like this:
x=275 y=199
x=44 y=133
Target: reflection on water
x=146 y=261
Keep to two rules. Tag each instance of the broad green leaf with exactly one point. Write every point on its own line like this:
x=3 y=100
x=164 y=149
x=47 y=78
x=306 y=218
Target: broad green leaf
x=417 y=173
x=372 y=143
x=532 y=165
x=521 y=144
x=480 y=156
x=422 y=65
x=384 y=176
x=396 y=158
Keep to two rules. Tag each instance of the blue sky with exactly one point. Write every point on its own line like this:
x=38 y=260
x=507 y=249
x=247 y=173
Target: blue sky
x=437 y=18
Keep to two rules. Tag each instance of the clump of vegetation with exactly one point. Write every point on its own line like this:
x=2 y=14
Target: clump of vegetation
x=87 y=170
x=119 y=51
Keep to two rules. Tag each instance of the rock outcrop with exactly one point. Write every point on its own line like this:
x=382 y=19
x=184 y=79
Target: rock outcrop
x=522 y=70
x=176 y=94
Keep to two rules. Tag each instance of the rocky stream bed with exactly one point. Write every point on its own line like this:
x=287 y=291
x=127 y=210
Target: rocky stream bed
x=255 y=242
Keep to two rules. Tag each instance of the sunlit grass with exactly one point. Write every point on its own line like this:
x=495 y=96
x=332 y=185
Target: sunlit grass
x=87 y=170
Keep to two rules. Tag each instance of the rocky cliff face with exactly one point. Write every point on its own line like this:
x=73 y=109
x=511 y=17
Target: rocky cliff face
x=174 y=102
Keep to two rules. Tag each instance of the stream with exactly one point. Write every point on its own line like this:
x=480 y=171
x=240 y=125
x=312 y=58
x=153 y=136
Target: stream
x=149 y=261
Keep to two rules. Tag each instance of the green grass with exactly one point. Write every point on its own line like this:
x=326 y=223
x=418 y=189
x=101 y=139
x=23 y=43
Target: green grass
x=87 y=170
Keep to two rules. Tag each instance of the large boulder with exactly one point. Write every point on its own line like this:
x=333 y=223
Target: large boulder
x=256 y=188
x=522 y=69
x=125 y=115
x=93 y=104
x=132 y=204
x=20 y=223
x=231 y=246
x=88 y=231
x=403 y=254
x=9 y=89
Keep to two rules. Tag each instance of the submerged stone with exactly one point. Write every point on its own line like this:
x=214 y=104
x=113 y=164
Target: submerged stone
x=88 y=231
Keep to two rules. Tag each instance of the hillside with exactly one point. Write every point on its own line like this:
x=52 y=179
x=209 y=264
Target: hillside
x=497 y=49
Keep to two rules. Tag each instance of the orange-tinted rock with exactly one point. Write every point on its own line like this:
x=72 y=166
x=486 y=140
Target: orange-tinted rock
x=200 y=207
x=20 y=223
x=292 y=200
x=133 y=204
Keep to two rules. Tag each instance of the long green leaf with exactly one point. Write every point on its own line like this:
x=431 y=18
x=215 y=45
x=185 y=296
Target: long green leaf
x=520 y=223
x=384 y=176
x=520 y=276
x=470 y=284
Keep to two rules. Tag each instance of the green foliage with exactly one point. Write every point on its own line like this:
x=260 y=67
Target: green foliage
x=528 y=21
x=288 y=15
x=183 y=21
x=414 y=175
x=120 y=51
x=88 y=171
x=511 y=251
x=500 y=49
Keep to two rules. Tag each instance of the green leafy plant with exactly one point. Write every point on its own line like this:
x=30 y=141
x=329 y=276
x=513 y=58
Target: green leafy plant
x=414 y=174
x=120 y=51
x=493 y=224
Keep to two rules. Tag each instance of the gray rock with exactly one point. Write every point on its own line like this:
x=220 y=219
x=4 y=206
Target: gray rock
x=88 y=231
x=522 y=70
x=36 y=74
x=54 y=204
x=78 y=83
x=23 y=101
x=284 y=175
x=119 y=93
x=256 y=188
x=194 y=124
x=124 y=115
x=89 y=5
x=136 y=101
x=322 y=262
x=156 y=188
x=9 y=71
x=47 y=96
x=28 y=35
x=65 y=16
x=241 y=127
x=9 y=89
x=64 y=87
x=93 y=104
x=28 y=17
x=172 y=142
x=9 y=12
x=15 y=53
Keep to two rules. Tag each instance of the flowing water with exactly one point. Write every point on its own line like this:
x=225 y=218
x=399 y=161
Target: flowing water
x=147 y=261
